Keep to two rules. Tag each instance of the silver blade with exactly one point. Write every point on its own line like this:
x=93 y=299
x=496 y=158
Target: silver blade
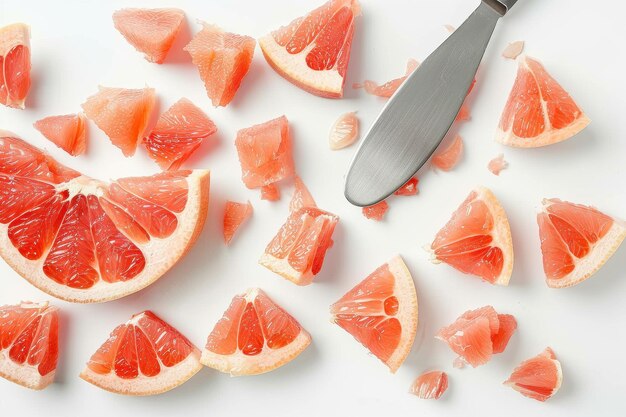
x=420 y=113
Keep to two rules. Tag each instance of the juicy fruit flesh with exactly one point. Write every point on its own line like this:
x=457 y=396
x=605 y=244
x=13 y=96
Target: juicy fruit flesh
x=344 y=131
x=143 y=346
x=387 y=89
x=235 y=214
x=538 y=378
x=14 y=64
x=301 y=196
x=447 y=158
x=66 y=131
x=430 y=385
x=377 y=211
x=409 y=188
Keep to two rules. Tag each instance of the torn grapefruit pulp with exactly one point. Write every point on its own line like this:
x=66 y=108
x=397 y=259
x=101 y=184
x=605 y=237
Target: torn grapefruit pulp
x=84 y=240
x=29 y=344
x=381 y=312
x=313 y=51
x=448 y=157
x=539 y=377
x=576 y=241
x=477 y=239
x=377 y=211
x=66 y=131
x=144 y=356
x=254 y=336
x=539 y=111
x=151 y=31
x=301 y=196
x=235 y=214
x=430 y=385
x=14 y=64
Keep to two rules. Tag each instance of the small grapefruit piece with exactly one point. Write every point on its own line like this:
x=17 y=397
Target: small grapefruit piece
x=387 y=89
x=301 y=196
x=539 y=377
x=313 y=51
x=235 y=214
x=430 y=385
x=447 y=158
x=66 y=131
x=14 y=64
x=539 y=111
x=254 y=336
x=223 y=59
x=29 y=343
x=377 y=211
x=513 y=50
x=506 y=328
x=84 y=240
x=297 y=251
x=151 y=31
x=477 y=239
x=144 y=356
x=381 y=312
x=497 y=164
x=409 y=188
x=177 y=134
x=344 y=131
x=576 y=241
x=270 y=192
x=122 y=114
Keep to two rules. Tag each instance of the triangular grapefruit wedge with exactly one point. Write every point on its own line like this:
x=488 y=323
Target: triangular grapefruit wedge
x=381 y=312
x=84 y=240
x=66 y=131
x=14 y=65
x=235 y=214
x=539 y=377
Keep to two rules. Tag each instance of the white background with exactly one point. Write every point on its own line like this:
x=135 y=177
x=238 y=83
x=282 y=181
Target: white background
x=75 y=47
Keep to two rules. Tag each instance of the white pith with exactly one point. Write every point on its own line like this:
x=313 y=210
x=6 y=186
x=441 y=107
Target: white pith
x=284 y=269
x=160 y=254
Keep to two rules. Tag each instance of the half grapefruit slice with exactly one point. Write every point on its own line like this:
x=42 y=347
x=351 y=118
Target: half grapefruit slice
x=83 y=240
x=254 y=336
x=477 y=239
x=539 y=377
x=576 y=241
x=144 y=356
x=381 y=312
x=539 y=111
x=14 y=64
x=313 y=51
x=66 y=131
x=29 y=344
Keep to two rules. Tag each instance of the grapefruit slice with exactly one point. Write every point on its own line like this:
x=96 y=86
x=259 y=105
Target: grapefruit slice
x=430 y=385
x=410 y=188
x=387 y=89
x=235 y=214
x=377 y=211
x=477 y=239
x=29 y=344
x=83 y=240
x=539 y=377
x=478 y=334
x=66 y=131
x=223 y=59
x=344 y=131
x=497 y=164
x=301 y=196
x=254 y=336
x=297 y=251
x=381 y=312
x=576 y=241
x=313 y=51
x=177 y=134
x=122 y=114
x=14 y=64
x=539 y=111
x=151 y=31
x=144 y=356
x=447 y=158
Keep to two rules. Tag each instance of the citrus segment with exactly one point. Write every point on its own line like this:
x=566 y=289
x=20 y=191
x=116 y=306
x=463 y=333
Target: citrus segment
x=513 y=50
x=344 y=131
x=539 y=377
x=235 y=214
x=66 y=131
x=447 y=158
x=497 y=164
x=377 y=211
x=14 y=64
x=430 y=385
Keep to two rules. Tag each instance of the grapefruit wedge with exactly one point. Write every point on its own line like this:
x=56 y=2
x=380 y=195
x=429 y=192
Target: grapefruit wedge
x=144 y=356
x=539 y=377
x=313 y=51
x=254 y=336
x=29 y=344
x=66 y=131
x=344 y=132
x=477 y=239
x=235 y=214
x=84 y=240
x=539 y=111
x=576 y=241
x=381 y=312
x=151 y=31
x=14 y=64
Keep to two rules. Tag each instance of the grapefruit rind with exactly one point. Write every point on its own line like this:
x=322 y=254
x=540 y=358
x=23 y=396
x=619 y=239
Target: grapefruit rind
x=25 y=375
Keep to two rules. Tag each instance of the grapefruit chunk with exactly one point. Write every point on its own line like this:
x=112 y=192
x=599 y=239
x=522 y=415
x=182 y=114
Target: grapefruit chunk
x=477 y=239
x=235 y=214
x=539 y=111
x=478 y=334
x=270 y=192
x=151 y=31
x=497 y=164
x=381 y=312
x=29 y=344
x=387 y=89
x=122 y=114
x=223 y=59
x=67 y=132
x=430 y=385
x=539 y=377
x=313 y=51
x=409 y=188
x=447 y=158
x=84 y=240
x=177 y=134
x=301 y=196
x=344 y=131
x=576 y=241
x=14 y=64
x=297 y=251
x=254 y=336
x=144 y=356
x=377 y=211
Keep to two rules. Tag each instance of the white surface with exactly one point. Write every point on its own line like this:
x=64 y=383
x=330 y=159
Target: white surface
x=75 y=48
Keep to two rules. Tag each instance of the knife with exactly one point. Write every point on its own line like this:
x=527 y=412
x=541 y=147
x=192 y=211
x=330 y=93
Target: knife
x=418 y=116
